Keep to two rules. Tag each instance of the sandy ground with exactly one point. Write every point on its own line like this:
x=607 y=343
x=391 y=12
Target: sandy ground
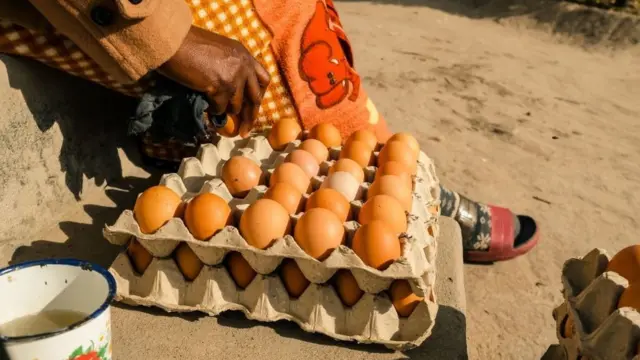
x=518 y=118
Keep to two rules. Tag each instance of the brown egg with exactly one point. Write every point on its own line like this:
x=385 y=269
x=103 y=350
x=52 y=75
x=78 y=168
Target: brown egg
x=154 y=207
x=403 y=298
x=231 y=128
x=358 y=152
x=318 y=232
x=328 y=134
x=263 y=222
x=206 y=214
x=315 y=148
x=305 y=160
x=350 y=166
x=387 y=209
x=400 y=152
x=348 y=289
x=365 y=136
x=398 y=169
x=627 y=263
x=283 y=132
x=376 y=245
x=392 y=185
x=331 y=200
x=140 y=257
x=286 y=195
x=568 y=327
x=188 y=262
x=241 y=174
x=241 y=272
x=630 y=297
x=407 y=139
x=292 y=174
x=293 y=278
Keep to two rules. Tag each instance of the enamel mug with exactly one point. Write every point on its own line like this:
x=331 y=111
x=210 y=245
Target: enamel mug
x=62 y=286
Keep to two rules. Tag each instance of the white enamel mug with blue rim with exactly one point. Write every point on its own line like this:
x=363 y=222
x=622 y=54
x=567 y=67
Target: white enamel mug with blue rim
x=58 y=284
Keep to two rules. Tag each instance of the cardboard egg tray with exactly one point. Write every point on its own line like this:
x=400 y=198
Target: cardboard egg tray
x=372 y=319
x=601 y=331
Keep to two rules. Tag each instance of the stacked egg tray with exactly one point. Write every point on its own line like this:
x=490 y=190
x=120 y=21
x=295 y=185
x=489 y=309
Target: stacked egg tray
x=372 y=320
x=601 y=331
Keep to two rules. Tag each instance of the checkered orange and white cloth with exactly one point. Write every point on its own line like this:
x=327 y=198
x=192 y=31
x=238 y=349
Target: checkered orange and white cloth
x=235 y=19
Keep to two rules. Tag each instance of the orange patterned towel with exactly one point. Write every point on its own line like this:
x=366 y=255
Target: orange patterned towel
x=315 y=57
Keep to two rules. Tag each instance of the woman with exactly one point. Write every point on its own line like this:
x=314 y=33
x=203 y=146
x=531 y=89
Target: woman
x=261 y=60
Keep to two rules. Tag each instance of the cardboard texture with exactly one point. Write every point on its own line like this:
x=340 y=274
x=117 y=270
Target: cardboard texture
x=601 y=331
x=372 y=320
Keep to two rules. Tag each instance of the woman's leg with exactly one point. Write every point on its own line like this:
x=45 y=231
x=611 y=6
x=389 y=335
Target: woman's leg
x=489 y=233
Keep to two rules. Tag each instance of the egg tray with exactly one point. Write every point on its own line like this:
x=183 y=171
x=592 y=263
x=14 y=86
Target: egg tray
x=197 y=175
x=373 y=319
x=601 y=331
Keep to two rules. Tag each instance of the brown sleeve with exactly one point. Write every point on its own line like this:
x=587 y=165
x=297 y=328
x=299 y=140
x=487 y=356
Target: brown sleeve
x=127 y=38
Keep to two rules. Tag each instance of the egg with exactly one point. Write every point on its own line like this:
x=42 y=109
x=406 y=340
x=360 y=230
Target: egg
x=327 y=134
x=283 y=132
x=318 y=232
x=395 y=168
x=409 y=140
x=376 y=245
x=155 y=207
x=206 y=214
x=568 y=327
x=403 y=298
x=331 y=200
x=231 y=128
x=293 y=279
x=263 y=222
x=359 y=152
x=387 y=209
x=188 y=262
x=348 y=289
x=342 y=182
x=392 y=185
x=627 y=263
x=365 y=136
x=305 y=160
x=315 y=148
x=286 y=195
x=350 y=166
x=241 y=174
x=630 y=297
x=400 y=152
x=139 y=256
x=292 y=174
x=241 y=272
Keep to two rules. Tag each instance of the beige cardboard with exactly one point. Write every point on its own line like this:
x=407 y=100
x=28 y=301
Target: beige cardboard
x=319 y=309
x=602 y=331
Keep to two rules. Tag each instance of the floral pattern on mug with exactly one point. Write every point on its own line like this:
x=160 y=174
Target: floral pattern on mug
x=91 y=353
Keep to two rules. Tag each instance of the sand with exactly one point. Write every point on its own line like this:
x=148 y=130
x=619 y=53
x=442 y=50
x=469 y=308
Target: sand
x=513 y=115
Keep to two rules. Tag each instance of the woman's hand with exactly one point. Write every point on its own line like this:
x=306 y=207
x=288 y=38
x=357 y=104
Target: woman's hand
x=221 y=68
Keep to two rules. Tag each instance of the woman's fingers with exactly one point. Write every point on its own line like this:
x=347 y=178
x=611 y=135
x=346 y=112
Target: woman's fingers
x=263 y=75
x=218 y=102
x=237 y=100
x=254 y=91
x=247 y=118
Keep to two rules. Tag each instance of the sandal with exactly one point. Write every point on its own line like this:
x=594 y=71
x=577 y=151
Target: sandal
x=490 y=233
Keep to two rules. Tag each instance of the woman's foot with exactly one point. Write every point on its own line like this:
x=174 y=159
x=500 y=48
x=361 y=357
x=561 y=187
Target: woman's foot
x=489 y=233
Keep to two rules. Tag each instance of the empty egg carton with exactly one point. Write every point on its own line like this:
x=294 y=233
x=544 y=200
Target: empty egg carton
x=601 y=331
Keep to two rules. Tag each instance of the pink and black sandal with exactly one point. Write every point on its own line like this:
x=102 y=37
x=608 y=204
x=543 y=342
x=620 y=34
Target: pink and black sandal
x=490 y=233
